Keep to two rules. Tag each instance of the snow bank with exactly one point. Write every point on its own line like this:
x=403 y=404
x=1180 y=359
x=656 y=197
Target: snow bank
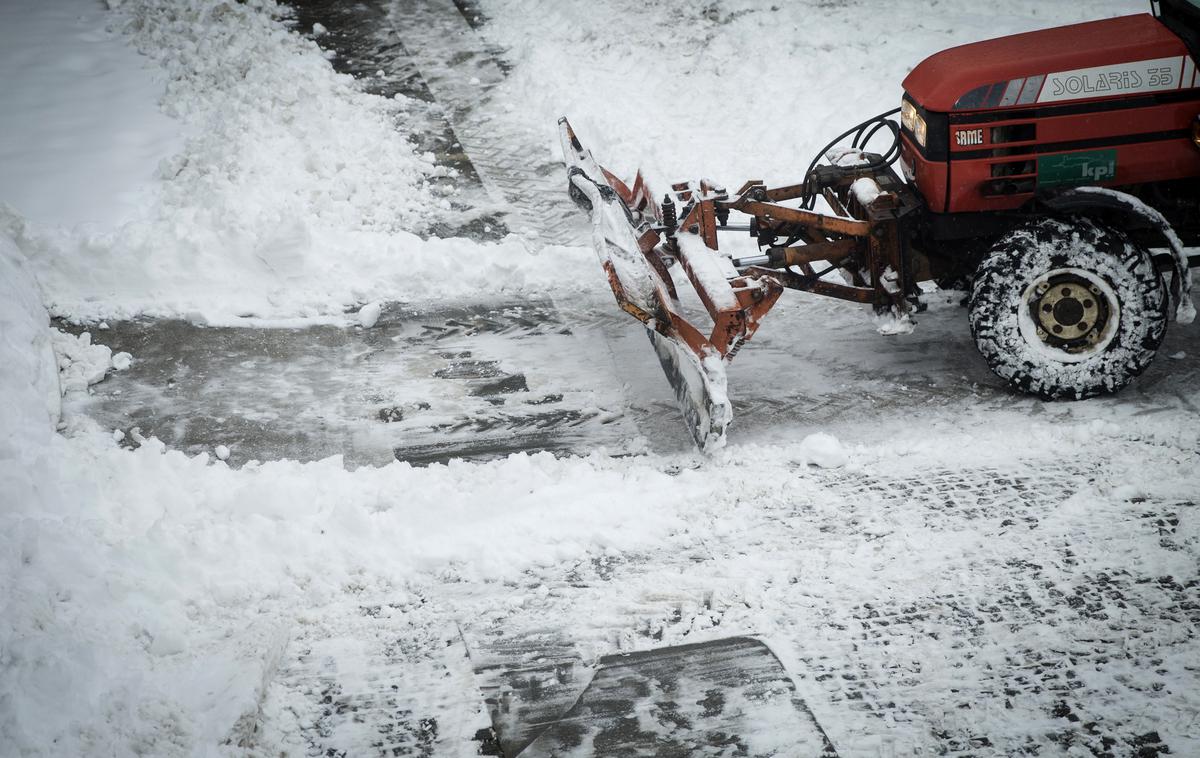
x=295 y=194
x=29 y=386
x=143 y=569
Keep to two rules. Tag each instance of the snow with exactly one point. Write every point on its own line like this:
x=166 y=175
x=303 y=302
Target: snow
x=75 y=101
x=29 y=378
x=711 y=270
x=890 y=325
x=865 y=190
x=80 y=363
x=823 y=450
x=828 y=66
x=150 y=601
x=266 y=210
x=368 y=315
x=122 y=361
x=106 y=604
x=846 y=157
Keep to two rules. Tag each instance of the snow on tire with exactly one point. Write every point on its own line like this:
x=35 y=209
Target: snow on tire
x=1068 y=309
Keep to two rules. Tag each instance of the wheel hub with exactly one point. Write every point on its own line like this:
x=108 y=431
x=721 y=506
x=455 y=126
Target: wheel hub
x=1071 y=313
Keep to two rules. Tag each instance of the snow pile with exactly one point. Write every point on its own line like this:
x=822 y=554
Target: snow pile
x=143 y=569
x=823 y=450
x=294 y=195
x=369 y=314
x=82 y=364
x=28 y=369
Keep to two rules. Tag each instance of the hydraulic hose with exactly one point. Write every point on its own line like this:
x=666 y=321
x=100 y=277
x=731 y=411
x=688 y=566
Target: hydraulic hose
x=863 y=133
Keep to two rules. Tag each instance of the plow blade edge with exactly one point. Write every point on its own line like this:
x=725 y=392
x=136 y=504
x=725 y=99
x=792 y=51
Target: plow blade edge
x=625 y=235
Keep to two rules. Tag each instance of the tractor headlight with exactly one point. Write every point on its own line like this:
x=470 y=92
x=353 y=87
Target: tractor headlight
x=911 y=120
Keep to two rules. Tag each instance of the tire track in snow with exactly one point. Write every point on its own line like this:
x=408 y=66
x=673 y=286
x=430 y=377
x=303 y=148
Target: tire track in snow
x=1006 y=620
x=462 y=71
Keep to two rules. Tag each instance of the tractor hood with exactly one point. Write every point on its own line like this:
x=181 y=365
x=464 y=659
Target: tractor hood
x=1114 y=57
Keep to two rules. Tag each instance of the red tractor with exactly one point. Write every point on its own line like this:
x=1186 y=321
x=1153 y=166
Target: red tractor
x=1057 y=172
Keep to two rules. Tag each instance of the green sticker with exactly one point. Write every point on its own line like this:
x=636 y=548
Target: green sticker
x=1092 y=167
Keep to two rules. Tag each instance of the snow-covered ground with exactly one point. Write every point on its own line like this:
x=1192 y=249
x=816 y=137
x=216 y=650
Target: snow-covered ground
x=959 y=570
x=81 y=131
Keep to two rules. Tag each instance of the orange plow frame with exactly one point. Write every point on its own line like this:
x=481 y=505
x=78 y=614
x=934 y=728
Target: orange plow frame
x=639 y=239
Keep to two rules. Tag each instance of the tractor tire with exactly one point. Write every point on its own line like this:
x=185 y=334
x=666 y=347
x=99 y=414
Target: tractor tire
x=1067 y=309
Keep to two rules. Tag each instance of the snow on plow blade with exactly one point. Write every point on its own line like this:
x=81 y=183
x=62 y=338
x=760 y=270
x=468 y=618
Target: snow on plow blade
x=637 y=241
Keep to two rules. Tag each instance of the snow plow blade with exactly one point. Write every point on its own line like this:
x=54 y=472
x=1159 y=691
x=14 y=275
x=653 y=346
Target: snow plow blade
x=637 y=241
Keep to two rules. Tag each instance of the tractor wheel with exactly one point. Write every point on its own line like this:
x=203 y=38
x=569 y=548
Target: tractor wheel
x=1068 y=309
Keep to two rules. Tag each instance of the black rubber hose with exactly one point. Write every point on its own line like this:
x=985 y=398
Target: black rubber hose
x=863 y=133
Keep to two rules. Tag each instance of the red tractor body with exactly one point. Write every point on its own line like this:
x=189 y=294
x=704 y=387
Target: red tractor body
x=1106 y=103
